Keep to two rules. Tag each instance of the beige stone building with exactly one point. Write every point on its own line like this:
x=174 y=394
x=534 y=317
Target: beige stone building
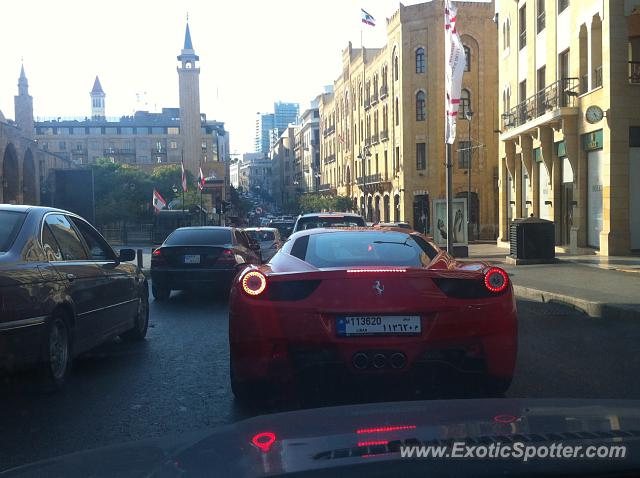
x=382 y=129
x=283 y=168
x=569 y=87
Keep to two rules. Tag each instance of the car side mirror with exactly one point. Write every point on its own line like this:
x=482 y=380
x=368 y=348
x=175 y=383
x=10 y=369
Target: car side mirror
x=126 y=255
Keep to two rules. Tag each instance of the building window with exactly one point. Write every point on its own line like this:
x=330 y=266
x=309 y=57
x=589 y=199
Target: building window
x=467 y=58
x=79 y=147
x=158 y=146
x=464 y=154
x=420 y=68
x=204 y=146
x=62 y=145
x=173 y=130
x=541 y=15
x=420 y=106
x=465 y=103
x=173 y=144
x=396 y=72
x=562 y=5
x=421 y=156
x=506 y=34
x=522 y=26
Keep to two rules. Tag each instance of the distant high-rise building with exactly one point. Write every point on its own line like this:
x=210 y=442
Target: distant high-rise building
x=264 y=123
x=269 y=126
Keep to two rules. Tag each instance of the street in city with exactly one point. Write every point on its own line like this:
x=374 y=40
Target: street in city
x=178 y=379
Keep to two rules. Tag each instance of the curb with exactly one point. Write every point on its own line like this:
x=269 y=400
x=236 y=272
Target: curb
x=603 y=310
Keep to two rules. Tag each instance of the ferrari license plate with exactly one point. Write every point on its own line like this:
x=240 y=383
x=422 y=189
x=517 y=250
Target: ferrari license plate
x=378 y=325
x=192 y=259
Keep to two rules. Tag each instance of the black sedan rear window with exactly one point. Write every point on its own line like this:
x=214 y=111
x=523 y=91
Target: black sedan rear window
x=10 y=224
x=261 y=236
x=199 y=237
x=346 y=249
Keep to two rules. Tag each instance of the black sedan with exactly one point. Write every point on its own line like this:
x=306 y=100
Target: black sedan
x=63 y=290
x=196 y=256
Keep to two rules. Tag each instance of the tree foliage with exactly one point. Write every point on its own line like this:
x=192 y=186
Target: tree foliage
x=318 y=202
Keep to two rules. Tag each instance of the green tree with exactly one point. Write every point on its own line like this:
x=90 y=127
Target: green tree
x=166 y=176
x=318 y=202
x=122 y=192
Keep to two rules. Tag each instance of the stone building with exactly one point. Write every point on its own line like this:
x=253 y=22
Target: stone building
x=569 y=79
x=382 y=128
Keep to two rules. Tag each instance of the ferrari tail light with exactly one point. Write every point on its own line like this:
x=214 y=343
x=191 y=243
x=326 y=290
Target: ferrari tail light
x=496 y=280
x=254 y=283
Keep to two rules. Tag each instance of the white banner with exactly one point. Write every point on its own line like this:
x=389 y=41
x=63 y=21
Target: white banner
x=454 y=61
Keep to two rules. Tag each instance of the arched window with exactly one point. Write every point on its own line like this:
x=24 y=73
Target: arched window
x=506 y=34
x=420 y=106
x=396 y=112
x=420 y=67
x=465 y=103
x=395 y=68
x=467 y=55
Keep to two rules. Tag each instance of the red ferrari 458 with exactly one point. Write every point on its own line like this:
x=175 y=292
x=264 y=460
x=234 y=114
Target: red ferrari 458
x=381 y=303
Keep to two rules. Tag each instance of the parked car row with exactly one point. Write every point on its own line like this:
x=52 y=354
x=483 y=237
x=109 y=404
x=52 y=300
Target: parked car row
x=63 y=291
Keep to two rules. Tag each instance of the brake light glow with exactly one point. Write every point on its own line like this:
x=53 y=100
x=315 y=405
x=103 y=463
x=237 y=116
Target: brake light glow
x=359 y=271
x=264 y=440
x=362 y=431
x=254 y=283
x=227 y=252
x=373 y=442
x=156 y=253
x=496 y=280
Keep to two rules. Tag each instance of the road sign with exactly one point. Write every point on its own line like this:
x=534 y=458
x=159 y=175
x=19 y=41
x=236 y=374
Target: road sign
x=258 y=210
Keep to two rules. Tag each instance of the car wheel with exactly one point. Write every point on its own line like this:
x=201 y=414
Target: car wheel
x=139 y=330
x=56 y=366
x=160 y=292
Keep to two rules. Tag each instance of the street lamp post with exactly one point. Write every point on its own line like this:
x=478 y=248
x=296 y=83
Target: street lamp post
x=364 y=154
x=469 y=116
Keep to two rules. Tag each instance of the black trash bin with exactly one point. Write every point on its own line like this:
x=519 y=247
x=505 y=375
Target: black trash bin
x=532 y=241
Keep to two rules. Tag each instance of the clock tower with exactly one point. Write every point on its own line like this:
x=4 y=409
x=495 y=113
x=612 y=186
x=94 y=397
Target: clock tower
x=190 y=123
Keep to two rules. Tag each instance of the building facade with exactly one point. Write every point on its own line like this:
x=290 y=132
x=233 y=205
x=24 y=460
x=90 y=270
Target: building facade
x=382 y=128
x=269 y=126
x=308 y=148
x=282 y=155
x=264 y=131
x=144 y=139
x=255 y=173
x=570 y=120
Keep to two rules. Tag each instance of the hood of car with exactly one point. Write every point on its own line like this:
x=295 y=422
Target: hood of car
x=352 y=440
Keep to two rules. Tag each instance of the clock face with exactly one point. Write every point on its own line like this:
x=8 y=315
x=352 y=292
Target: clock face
x=594 y=114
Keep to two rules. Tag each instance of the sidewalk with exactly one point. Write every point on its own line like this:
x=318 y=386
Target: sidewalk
x=607 y=287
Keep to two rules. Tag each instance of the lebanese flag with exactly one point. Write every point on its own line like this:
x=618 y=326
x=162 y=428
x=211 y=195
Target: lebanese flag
x=158 y=201
x=184 y=177
x=367 y=18
x=454 y=61
x=200 y=180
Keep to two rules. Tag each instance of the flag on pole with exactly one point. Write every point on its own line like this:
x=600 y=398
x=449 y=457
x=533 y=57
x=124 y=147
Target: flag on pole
x=368 y=19
x=158 y=201
x=200 y=180
x=184 y=177
x=454 y=61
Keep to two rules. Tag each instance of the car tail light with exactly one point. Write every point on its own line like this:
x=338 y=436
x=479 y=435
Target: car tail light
x=496 y=280
x=156 y=256
x=227 y=256
x=254 y=283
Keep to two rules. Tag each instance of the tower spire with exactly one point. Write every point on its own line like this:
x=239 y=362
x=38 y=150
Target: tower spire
x=23 y=84
x=97 y=100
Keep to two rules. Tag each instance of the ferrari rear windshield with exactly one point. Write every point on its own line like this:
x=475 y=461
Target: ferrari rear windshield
x=199 y=237
x=358 y=248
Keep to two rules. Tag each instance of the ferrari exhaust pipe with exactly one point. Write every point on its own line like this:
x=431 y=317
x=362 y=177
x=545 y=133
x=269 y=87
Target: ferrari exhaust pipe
x=379 y=360
x=360 y=361
x=398 y=360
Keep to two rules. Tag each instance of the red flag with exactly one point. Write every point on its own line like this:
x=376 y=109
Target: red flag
x=454 y=61
x=184 y=177
x=158 y=201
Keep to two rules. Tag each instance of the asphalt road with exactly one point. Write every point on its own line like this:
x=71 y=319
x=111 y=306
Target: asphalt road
x=177 y=380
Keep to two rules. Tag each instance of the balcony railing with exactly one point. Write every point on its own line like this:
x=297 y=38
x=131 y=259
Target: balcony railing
x=367 y=103
x=384 y=92
x=330 y=159
x=324 y=187
x=560 y=94
x=384 y=135
x=634 y=72
x=374 y=139
x=374 y=99
x=330 y=130
x=369 y=179
x=367 y=141
x=597 y=77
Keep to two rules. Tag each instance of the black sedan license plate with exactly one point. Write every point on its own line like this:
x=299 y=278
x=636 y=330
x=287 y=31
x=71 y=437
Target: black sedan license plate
x=378 y=325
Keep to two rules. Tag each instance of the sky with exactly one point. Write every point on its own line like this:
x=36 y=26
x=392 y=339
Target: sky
x=252 y=53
